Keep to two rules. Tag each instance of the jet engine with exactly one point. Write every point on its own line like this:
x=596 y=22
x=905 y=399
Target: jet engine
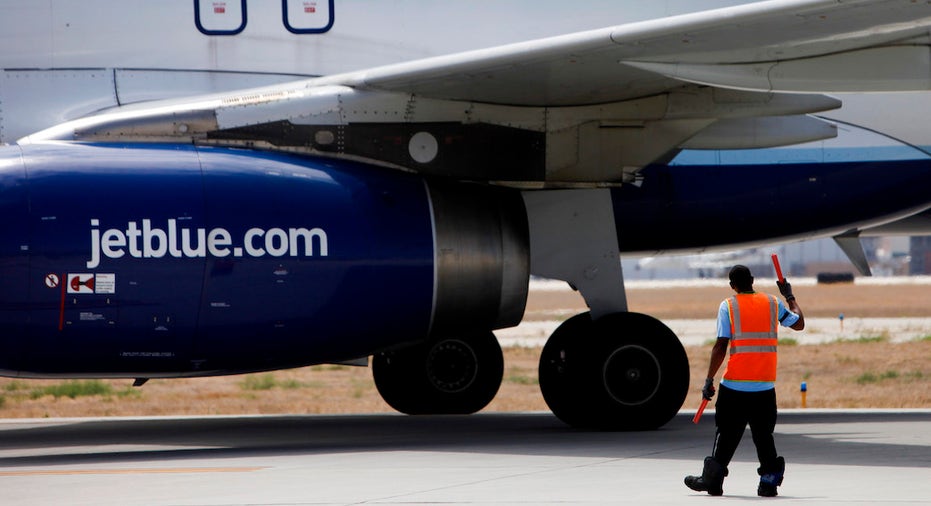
x=173 y=260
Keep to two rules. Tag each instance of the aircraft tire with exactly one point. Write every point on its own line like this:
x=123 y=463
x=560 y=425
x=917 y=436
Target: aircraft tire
x=451 y=375
x=625 y=371
x=562 y=371
x=395 y=378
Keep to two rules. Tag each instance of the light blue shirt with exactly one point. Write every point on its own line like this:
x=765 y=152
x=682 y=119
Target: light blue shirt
x=786 y=319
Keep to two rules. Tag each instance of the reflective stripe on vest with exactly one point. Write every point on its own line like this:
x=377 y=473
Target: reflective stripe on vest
x=754 y=321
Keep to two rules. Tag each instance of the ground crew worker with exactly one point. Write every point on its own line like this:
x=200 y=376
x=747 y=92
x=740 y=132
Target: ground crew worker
x=747 y=324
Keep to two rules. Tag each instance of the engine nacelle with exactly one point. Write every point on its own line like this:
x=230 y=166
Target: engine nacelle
x=174 y=260
x=483 y=257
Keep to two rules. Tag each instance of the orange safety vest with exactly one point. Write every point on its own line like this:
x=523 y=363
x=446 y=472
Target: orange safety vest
x=754 y=321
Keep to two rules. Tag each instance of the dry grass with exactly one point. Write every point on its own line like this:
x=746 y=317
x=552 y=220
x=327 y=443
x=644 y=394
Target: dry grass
x=839 y=375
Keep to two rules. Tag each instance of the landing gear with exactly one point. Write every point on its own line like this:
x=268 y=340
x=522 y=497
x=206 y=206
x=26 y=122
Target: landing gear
x=624 y=371
x=453 y=375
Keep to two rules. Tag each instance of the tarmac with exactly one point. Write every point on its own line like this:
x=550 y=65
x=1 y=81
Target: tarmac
x=833 y=458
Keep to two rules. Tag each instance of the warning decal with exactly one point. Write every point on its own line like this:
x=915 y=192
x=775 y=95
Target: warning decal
x=105 y=283
x=51 y=280
x=80 y=283
x=84 y=283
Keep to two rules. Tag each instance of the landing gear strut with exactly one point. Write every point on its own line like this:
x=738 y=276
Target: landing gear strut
x=624 y=371
x=453 y=375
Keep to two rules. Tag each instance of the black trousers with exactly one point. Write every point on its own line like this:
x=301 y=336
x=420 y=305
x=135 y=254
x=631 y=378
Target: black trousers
x=734 y=410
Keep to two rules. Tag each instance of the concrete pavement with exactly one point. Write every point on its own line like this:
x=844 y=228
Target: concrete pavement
x=834 y=457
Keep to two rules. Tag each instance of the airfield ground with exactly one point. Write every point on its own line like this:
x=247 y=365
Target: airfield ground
x=856 y=368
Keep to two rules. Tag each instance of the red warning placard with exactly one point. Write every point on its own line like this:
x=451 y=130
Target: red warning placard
x=80 y=283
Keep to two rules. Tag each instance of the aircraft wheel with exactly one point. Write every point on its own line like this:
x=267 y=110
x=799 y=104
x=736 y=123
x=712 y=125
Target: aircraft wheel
x=562 y=370
x=453 y=375
x=625 y=371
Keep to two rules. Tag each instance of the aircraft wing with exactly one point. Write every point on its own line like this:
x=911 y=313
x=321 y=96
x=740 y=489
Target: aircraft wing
x=584 y=108
x=781 y=45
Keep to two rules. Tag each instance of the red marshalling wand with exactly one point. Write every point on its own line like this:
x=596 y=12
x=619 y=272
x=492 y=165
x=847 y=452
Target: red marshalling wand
x=778 y=269
x=701 y=409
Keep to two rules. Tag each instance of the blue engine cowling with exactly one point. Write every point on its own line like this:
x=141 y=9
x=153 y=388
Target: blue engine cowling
x=146 y=261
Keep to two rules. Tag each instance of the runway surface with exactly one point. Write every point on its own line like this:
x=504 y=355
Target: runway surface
x=515 y=458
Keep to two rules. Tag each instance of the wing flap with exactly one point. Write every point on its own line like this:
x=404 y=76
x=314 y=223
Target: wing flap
x=765 y=132
x=892 y=68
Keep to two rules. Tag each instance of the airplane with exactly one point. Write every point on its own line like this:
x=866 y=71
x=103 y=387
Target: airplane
x=228 y=186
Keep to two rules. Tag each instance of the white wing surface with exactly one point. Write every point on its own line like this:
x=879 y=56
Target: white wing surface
x=781 y=45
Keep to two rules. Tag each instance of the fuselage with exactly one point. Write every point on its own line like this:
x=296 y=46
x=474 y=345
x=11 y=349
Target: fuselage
x=268 y=36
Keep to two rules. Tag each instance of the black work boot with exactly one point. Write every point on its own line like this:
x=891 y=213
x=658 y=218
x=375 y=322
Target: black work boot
x=711 y=479
x=771 y=477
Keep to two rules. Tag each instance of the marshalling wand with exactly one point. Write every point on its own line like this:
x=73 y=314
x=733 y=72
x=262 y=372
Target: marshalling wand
x=778 y=269
x=701 y=409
